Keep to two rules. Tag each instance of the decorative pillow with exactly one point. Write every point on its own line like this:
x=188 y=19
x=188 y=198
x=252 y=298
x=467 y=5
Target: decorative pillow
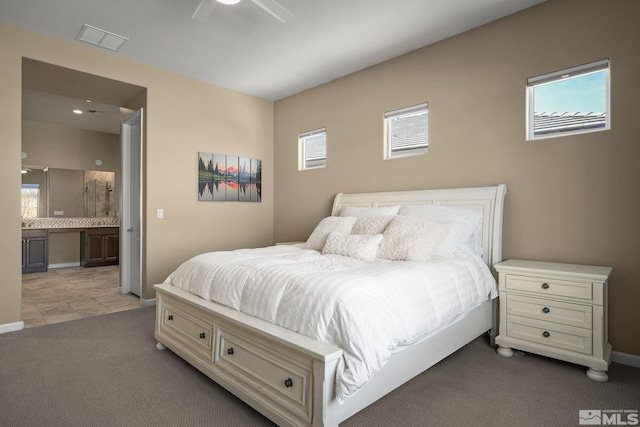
x=361 y=246
x=360 y=211
x=411 y=239
x=464 y=226
x=371 y=224
x=329 y=224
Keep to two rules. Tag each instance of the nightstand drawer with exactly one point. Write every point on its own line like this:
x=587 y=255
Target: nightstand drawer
x=550 y=334
x=577 y=315
x=550 y=287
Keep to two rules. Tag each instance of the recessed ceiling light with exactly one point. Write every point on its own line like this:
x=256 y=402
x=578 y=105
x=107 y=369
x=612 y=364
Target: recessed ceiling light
x=77 y=111
x=229 y=1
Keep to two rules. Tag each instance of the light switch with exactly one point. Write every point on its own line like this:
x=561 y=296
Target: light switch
x=160 y=213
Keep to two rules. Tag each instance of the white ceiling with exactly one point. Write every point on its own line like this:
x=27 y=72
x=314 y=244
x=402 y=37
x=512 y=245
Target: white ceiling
x=243 y=48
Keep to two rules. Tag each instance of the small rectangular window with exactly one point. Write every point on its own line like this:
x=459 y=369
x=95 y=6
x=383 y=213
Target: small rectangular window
x=569 y=102
x=30 y=200
x=312 y=149
x=406 y=131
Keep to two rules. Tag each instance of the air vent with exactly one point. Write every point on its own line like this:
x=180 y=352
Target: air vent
x=101 y=38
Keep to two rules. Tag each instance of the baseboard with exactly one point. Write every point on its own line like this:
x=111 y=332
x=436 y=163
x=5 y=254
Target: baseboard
x=11 y=327
x=625 y=359
x=147 y=302
x=64 y=265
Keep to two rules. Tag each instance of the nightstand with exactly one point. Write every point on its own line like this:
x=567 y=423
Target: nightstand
x=555 y=310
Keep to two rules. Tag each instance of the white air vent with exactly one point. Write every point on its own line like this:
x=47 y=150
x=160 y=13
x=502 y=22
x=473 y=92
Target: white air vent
x=101 y=38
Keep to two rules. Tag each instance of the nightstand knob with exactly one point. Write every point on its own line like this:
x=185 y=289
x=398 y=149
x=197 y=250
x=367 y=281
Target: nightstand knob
x=546 y=334
x=545 y=286
x=546 y=310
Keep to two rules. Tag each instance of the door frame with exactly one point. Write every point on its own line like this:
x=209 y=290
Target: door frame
x=129 y=253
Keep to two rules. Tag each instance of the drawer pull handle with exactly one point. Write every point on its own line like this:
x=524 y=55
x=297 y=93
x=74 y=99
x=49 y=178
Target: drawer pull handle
x=170 y=317
x=288 y=383
x=230 y=351
x=546 y=310
x=545 y=286
x=203 y=335
x=546 y=334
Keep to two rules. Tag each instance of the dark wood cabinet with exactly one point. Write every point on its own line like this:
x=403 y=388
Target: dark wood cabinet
x=100 y=246
x=35 y=251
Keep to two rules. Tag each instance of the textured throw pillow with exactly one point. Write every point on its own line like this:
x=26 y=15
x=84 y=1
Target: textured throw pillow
x=371 y=224
x=360 y=211
x=361 y=246
x=411 y=239
x=329 y=224
x=460 y=238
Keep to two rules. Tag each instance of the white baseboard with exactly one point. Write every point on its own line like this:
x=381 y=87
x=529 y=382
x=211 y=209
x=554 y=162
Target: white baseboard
x=147 y=302
x=625 y=359
x=11 y=327
x=64 y=265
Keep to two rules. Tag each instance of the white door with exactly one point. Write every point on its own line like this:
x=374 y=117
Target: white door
x=131 y=213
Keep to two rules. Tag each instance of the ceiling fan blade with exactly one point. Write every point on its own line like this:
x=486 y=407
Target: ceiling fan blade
x=204 y=9
x=274 y=9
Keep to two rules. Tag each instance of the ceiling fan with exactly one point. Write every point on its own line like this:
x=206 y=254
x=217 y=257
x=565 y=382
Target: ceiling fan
x=204 y=9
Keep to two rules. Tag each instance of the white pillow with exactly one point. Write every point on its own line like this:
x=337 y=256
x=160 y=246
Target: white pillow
x=329 y=224
x=360 y=211
x=464 y=226
x=361 y=246
x=371 y=224
x=411 y=239
x=458 y=239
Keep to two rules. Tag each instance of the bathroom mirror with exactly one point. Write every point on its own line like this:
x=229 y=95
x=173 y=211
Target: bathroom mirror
x=70 y=193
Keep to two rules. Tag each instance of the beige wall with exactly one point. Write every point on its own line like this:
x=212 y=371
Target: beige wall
x=64 y=147
x=183 y=116
x=572 y=199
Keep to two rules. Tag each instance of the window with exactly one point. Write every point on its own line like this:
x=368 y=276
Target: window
x=569 y=102
x=313 y=149
x=406 y=131
x=30 y=198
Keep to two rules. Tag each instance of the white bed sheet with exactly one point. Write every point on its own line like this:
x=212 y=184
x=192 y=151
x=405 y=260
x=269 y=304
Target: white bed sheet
x=369 y=309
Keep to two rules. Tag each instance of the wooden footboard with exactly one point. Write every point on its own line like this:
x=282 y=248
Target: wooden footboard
x=287 y=377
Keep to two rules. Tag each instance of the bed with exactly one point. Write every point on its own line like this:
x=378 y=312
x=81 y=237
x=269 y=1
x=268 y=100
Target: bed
x=313 y=376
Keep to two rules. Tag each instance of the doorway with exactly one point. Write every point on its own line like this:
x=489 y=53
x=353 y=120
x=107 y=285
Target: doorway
x=52 y=80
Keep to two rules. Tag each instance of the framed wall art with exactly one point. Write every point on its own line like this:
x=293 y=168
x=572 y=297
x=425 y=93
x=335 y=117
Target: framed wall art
x=226 y=178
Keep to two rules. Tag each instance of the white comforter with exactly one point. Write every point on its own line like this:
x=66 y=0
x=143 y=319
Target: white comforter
x=367 y=309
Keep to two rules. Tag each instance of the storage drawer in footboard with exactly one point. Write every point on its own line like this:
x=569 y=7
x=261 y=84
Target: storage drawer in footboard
x=278 y=373
x=194 y=332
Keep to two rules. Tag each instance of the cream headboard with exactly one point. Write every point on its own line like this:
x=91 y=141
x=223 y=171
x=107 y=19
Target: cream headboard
x=488 y=200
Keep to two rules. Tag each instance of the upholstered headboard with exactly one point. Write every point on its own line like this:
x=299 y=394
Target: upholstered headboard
x=488 y=200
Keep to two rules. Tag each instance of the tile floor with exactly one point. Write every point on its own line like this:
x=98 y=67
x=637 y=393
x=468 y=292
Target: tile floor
x=72 y=293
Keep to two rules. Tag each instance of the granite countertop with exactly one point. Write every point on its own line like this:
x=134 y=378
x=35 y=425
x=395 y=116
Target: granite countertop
x=69 y=223
x=69 y=228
